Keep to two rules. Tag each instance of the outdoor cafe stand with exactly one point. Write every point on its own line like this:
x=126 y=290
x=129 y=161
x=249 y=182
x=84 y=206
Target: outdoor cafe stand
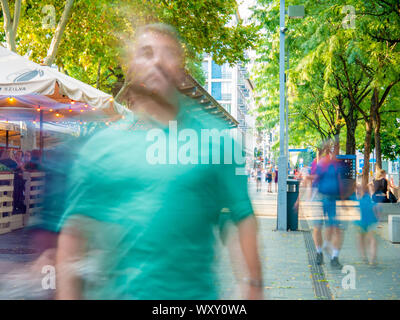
x=38 y=105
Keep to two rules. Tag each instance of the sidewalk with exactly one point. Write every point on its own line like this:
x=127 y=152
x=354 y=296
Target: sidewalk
x=288 y=260
x=285 y=258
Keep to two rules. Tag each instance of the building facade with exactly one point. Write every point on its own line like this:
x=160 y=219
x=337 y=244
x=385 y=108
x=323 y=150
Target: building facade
x=231 y=87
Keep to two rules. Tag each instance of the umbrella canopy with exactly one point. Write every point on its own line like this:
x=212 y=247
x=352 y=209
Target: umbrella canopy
x=25 y=82
x=29 y=107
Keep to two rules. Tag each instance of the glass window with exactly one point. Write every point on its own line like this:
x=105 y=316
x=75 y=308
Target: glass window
x=216 y=90
x=226 y=91
x=216 y=72
x=226 y=71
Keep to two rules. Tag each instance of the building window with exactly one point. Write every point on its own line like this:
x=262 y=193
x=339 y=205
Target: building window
x=226 y=71
x=226 y=91
x=216 y=72
x=216 y=90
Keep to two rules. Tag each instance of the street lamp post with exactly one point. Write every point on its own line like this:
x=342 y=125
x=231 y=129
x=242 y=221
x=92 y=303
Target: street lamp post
x=294 y=12
x=282 y=162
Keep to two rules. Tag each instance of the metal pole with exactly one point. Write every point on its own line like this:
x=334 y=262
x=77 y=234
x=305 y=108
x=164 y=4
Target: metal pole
x=287 y=108
x=6 y=139
x=282 y=163
x=41 y=135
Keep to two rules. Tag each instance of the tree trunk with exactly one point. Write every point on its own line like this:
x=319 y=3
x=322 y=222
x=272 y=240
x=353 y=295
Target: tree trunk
x=350 y=141
x=337 y=142
x=55 y=42
x=377 y=134
x=98 y=75
x=351 y=126
x=369 y=125
x=10 y=32
x=367 y=151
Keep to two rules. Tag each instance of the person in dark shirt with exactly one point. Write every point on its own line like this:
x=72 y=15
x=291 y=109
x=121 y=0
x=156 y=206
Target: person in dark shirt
x=7 y=160
x=34 y=162
x=380 y=184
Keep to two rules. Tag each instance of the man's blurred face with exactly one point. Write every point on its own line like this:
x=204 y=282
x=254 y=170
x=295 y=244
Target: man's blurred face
x=155 y=64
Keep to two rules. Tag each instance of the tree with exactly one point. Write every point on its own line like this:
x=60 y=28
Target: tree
x=359 y=67
x=11 y=24
x=86 y=43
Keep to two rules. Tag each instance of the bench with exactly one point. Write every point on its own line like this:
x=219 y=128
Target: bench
x=386 y=209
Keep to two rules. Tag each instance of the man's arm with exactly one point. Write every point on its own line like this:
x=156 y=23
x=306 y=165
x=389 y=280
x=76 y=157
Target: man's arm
x=70 y=251
x=247 y=229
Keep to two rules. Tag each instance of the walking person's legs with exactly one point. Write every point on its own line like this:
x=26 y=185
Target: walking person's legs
x=337 y=236
x=362 y=245
x=371 y=247
x=317 y=236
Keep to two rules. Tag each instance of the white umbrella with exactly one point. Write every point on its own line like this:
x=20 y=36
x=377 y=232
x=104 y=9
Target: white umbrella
x=27 y=87
x=20 y=76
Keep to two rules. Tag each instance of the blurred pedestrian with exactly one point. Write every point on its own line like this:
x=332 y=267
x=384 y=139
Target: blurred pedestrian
x=269 y=179
x=259 y=178
x=33 y=161
x=329 y=184
x=276 y=179
x=19 y=158
x=136 y=228
x=367 y=226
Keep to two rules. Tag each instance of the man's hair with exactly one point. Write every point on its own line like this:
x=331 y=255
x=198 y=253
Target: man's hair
x=164 y=29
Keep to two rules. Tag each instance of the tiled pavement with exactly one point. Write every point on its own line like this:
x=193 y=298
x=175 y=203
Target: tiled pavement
x=284 y=255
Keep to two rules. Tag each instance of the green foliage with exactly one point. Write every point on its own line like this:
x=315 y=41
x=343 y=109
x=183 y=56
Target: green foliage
x=90 y=47
x=333 y=68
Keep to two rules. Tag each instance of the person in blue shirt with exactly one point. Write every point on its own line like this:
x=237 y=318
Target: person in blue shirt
x=367 y=226
x=330 y=188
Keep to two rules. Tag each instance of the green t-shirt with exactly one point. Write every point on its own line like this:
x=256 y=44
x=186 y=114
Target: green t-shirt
x=151 y=227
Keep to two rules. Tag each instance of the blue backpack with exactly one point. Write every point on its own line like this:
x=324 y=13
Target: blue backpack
x=328 y=180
